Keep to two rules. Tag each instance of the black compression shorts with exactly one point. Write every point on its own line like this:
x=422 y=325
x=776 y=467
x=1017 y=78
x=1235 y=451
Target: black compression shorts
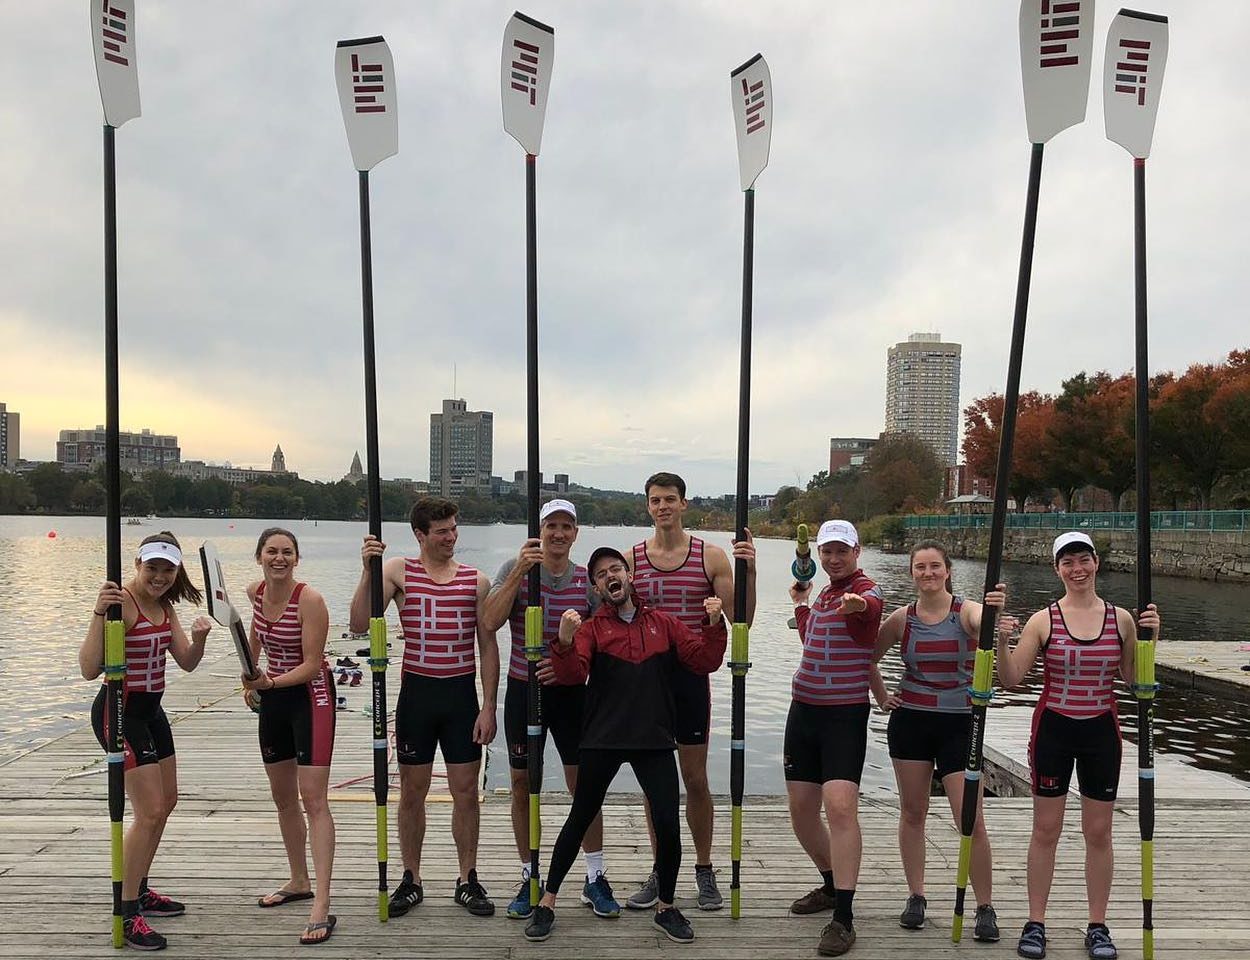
x=146 y=737
x=692 y=698
x=297 y=723
x=562 y=709
x=1093 y=746
x=930 y=735
x=436 y=712
x=825 y=743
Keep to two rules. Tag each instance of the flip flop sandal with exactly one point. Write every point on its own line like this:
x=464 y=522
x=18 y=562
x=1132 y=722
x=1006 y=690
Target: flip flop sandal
x=284 y=897
x=327 y=925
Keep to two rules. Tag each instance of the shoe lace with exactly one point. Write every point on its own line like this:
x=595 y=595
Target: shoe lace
x=138 y=925
x=473 y=890
x=705 y=880
x=156 y=899
x=1098 y=936
x=600 y=883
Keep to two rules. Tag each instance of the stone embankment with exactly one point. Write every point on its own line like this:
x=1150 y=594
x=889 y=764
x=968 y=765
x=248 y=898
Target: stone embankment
x=1198 y=554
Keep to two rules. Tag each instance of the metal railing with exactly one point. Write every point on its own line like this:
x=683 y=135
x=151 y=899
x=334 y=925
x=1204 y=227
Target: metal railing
x=1195 y=520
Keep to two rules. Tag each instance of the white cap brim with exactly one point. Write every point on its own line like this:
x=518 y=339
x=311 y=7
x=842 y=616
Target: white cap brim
x=557 y=506
x=160 y=550
x=1067 y=539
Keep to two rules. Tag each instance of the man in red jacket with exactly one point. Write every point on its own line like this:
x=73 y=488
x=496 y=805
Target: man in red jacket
x=629 y=652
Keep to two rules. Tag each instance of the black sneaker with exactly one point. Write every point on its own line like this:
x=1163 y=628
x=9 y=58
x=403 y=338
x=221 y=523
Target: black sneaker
x=153 y=904
x=406 y=896
x=472 y=896
x=139 y=936
x=912 y=917
x=674 y=926
x=1098 y=943
x=541 y=922
x=985 y=929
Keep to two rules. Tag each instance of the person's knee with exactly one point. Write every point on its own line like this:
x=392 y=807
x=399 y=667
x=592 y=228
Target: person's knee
x=1047 y=831
x=1097 y=832
x=171 y=801
x=913 y=814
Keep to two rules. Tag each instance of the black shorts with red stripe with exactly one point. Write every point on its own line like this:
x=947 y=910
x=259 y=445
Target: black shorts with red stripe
x=146 y=736
x=297 y=723
x=1092 y=746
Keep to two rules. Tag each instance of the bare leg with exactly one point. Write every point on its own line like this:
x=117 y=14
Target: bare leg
x=1099 y=857
x=414 y=784
x=846 y=843
x=284 y=788
x=700 y=813
x=521 y=812
x=1047 y=826
x=913 y=778
x=465 y=815
x=982 y=866
x=147 y=806
x=809 y=827
x=313 y=788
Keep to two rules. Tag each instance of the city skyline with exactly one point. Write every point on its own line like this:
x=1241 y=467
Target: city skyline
x=893 y=202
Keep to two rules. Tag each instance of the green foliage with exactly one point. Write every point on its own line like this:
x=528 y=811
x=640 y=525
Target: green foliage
x=15 y=494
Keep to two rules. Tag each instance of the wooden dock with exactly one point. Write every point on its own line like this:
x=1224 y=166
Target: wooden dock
x=1208 y=666
x=221 y=850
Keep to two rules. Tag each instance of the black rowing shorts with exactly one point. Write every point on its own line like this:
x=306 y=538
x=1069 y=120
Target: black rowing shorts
x=436 y=712
x=1093 y=746
x=930 y=735
x=825 y=743
x=146 y=737
x=692 y=698
x=562 y=709
x=297 y=723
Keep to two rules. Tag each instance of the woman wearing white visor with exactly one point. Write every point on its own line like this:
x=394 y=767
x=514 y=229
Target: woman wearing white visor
x=152 y=628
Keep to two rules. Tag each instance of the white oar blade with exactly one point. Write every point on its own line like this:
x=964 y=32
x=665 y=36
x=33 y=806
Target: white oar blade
x=219 y=606
x=365 y=75
x=113 y=34
x=1137 y=52
x=1056 y=47
x=525 y=74
x=751 y=90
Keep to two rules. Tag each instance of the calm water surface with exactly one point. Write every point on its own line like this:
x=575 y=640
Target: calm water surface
x=47 y=586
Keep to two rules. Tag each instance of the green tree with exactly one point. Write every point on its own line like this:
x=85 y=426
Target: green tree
x=136 y=501
x=901 y=468
x=88 y=496
x=162 y=486
x=15 y=494
x=52 y=487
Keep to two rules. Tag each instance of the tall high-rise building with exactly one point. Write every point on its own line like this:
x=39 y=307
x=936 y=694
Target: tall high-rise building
x=10 y=438
x=461 y=449
x=140 y=451
x=922 y=393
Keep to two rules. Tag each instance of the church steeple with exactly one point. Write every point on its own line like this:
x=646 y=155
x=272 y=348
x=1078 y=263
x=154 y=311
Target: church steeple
x=357 y=472
x=279 y=460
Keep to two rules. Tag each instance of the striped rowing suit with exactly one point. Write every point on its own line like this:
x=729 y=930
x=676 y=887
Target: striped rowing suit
x=555 y=600
x=296 y=722
x=438 y=703
x=937 y=662
x=146 y=735
x=681 y=592
x=1075 y=721
x=837 y=649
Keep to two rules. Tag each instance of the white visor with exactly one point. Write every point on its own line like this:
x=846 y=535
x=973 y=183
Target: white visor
x=160 y=550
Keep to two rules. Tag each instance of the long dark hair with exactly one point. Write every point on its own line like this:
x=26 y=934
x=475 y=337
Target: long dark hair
x=183 y=588
x=940 y=548
x=275 y=532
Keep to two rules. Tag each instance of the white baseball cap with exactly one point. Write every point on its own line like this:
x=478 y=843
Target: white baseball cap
x=1067 y=539
x=557 y=506
x=160 y=550
x=837 y=531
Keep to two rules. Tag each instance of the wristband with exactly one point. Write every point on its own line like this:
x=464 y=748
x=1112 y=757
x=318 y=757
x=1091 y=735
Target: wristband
x=99 y=613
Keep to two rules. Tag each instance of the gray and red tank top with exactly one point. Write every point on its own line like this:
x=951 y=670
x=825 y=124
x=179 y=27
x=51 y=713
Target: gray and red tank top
x=834 y=669
x=1079 y=675
x=680 y=591
x=572 y=596
x=281 y=639
x=146 y=644
x=439 y=621
x=937 y=662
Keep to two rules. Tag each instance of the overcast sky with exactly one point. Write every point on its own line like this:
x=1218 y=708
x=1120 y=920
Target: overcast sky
x=892 y=203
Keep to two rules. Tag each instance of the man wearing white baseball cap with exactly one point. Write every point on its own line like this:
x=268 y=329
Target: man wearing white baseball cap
x=826 y=738
x=565 y=586
x=1084 y=642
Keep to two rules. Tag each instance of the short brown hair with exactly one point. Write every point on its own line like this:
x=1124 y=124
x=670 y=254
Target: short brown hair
x=664 y=479
x=428 y=509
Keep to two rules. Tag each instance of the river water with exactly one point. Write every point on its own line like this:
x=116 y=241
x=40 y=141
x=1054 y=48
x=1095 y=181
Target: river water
x=47 y=586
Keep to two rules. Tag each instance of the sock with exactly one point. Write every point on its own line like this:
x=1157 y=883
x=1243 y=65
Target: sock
x=143 y=886
x=594 y=865
x=702 y=866
x=130 y=908
x=842 y=911
x=827 y=877
x=525 y=871
x=1096 y=926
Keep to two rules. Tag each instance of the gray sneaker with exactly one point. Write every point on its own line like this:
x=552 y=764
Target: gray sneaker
x=912 y=917
x=648 y=894
x=709 y=894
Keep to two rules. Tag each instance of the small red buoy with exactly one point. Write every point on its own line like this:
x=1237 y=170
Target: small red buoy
x=232 y=526
x=51 y=534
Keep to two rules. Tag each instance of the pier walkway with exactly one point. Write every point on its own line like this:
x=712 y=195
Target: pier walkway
x=221 y=850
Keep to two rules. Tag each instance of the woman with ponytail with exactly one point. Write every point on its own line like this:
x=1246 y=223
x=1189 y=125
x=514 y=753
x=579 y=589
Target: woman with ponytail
x=152 y=629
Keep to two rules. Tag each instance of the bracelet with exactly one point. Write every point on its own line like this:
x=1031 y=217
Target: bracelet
x=99 y=613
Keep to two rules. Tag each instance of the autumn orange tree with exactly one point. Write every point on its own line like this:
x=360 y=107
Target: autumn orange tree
x=1090 y=439
x=983 y=424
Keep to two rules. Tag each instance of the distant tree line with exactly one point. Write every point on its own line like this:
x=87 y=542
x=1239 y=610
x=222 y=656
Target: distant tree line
x=1081 y=440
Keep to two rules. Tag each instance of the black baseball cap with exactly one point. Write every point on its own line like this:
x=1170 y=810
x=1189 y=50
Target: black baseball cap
x=599 y=554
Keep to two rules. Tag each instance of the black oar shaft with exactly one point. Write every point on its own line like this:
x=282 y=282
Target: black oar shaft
x=114 y=646
x=534 y=621
x=373 y=494
x=984 y=664
x=740 y=648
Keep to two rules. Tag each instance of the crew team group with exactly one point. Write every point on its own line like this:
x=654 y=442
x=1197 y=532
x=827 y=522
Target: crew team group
x=629 y=642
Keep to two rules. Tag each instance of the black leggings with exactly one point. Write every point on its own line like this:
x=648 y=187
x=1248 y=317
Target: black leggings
x=656 y=771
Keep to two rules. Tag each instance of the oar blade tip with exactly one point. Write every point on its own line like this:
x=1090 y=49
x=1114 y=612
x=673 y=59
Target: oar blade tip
x=525 y=78
x=751 y=93
x=364 y=73
x=1137 y=52
x=1056 y=50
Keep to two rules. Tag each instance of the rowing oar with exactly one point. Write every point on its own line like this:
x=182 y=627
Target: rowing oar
x=751 y=93
x=1055 y=48
x=804 y=567
x=1137 y=51
x=222 y=610
x=525 y=74
x=365 y=75
x=113 y=36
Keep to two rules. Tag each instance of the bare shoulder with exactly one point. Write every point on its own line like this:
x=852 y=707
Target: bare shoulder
x=252 y=589
x=483 y=585
x=310 y=598
x=714 y=557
